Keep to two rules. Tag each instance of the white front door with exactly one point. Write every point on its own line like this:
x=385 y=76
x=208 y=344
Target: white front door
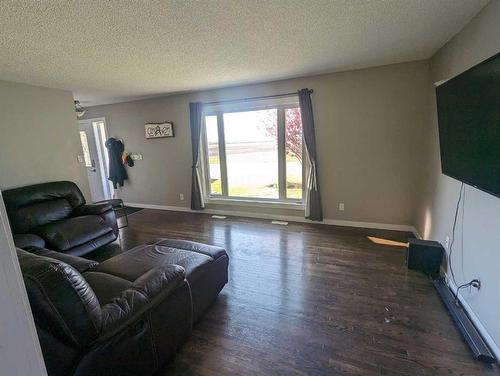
x=95 y=156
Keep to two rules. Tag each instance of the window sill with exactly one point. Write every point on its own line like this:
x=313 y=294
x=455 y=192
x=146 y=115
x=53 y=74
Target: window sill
x=255 y=203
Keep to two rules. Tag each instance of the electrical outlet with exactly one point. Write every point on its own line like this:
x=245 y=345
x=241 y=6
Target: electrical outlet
x=181 y=196
x=80 y=159
x=341 y=206
x=447 y=242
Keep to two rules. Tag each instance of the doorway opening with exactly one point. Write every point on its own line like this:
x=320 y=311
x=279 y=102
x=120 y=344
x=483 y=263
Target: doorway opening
x=93 y=135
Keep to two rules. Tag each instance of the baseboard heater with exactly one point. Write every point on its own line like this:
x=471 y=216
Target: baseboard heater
x=463 y=322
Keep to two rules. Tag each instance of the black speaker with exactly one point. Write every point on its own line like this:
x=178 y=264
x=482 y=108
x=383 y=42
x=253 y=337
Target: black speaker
x=425 y=256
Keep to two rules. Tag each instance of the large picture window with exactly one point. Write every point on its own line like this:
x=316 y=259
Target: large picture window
x=253 y=151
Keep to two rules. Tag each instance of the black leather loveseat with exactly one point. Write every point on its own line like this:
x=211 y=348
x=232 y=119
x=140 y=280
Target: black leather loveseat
x=55 y=214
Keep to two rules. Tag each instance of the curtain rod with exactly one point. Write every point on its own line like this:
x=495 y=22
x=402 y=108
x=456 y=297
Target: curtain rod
x=256 y=98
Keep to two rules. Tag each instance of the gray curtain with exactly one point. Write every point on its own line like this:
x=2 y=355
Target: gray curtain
x=312 y=193
x=195 y=110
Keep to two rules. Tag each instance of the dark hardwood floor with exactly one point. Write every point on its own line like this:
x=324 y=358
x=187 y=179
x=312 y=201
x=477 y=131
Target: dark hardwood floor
x=308 y=299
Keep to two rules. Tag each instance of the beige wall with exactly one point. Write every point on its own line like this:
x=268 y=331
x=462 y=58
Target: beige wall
x=480 y=216
x=38 y=137
x=368 y=129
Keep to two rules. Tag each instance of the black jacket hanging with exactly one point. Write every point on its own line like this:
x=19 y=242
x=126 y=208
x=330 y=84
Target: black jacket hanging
x=117 y=172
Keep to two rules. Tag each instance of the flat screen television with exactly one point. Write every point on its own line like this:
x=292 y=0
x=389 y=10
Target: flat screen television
x=468 y=107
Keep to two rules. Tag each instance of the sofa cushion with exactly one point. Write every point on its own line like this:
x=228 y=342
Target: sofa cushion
x=72 y=232
x=24 y=219
x=106 y=286
x=92 y=245
x=49 y=201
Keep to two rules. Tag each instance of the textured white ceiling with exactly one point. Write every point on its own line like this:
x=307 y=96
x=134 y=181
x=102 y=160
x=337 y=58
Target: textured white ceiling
x=110 y=51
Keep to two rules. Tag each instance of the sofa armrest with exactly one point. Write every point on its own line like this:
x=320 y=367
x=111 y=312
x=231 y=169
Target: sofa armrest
x=92 y=209
x=145 y=293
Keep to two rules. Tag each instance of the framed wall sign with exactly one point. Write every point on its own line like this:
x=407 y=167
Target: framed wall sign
x=158 y=130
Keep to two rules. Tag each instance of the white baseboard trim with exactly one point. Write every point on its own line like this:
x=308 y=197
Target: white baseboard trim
x=289 y=218
x=159 y=207
x=475 y=320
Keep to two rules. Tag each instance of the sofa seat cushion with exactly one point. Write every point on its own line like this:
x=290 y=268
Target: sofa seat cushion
x=106 y=286
x=72 y=232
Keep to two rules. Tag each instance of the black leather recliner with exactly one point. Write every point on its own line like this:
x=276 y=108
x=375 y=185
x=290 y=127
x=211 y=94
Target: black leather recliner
x=55 y=214
x=91 y=322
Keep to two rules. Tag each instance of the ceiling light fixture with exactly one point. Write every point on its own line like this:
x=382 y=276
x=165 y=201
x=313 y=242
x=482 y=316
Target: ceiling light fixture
x=80 y=111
